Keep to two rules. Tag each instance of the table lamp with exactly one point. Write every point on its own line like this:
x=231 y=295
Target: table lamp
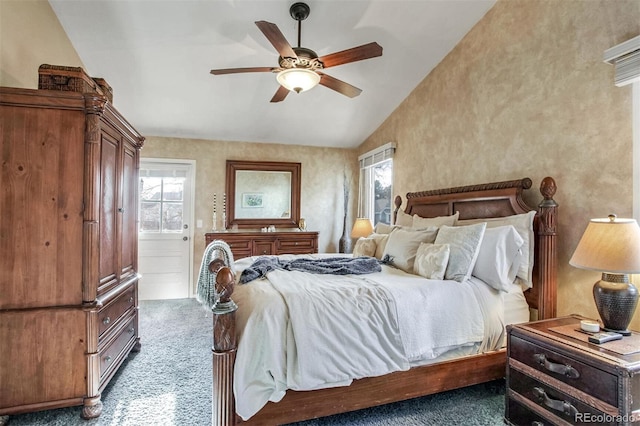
x=612 y=246
x=361 y=228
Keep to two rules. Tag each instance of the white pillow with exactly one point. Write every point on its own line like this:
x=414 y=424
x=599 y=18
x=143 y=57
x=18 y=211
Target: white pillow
x=365 y=247
x=464 y=242
x=403 y=219
x=403 y=245
x=381 y=243
x=431 y=260
x=424 y=222
x=383 y=228
x=524 y=225
x=499 y=257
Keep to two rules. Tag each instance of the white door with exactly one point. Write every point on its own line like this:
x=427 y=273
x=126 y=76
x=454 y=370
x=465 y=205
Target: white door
x=165 y=248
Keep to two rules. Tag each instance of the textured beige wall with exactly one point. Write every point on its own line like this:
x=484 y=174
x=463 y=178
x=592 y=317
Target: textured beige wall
x=526 y=93
x=323 y=171
x=31 y=35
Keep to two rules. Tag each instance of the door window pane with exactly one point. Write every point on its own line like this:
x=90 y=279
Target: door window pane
x=150 y=217
x=172 y=217
x=161 y=204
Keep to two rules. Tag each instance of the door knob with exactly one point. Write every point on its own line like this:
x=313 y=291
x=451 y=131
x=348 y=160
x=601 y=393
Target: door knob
x=185 y=238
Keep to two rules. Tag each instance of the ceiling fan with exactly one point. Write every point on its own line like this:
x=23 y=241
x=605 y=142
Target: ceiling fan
x=301 y=69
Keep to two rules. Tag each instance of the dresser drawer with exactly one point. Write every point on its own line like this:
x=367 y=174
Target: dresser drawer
x=115 y=309
x=239 y=245
x=262 y=248
x=593 y=381
x=295 y=245
x=113 y=354
x=552 y=400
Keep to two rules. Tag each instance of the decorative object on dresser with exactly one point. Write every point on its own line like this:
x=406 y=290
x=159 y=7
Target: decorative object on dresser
x=612 y=246
x=497 y=201
x=69 y=304
x=255 y=243
x=555 y=376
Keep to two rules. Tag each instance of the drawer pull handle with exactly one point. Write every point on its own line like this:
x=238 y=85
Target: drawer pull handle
x=131 y=330
x=555 y=404
x=131 y=299
x=106 y=321
x=564 y=369
x=107 y=359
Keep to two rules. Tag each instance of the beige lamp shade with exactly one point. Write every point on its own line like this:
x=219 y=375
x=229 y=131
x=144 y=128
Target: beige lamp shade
x=362 y=228
x=609 y=245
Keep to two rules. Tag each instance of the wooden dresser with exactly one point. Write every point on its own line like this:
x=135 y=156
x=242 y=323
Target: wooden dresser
x=555 y=377
x=245 y=244
x=68 y=237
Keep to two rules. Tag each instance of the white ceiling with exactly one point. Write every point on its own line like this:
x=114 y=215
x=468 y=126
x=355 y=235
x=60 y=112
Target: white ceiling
x=157 y=54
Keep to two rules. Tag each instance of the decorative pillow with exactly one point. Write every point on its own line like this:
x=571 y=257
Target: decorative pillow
x=384 y=228
x=524 y=225
x=381 y=243
x=499 y=257
x=364 y=247
x=431 y=260
x=403 y=219
x=424 y=222
x=403 y=245
x=464 y=242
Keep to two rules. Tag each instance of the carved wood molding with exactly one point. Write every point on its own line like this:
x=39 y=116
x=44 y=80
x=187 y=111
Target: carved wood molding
x=520 y=184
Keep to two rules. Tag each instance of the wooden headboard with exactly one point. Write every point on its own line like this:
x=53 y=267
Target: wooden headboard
x=499 y=199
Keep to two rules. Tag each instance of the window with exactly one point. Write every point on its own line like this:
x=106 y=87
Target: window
x=161 y=201
x=376 y=179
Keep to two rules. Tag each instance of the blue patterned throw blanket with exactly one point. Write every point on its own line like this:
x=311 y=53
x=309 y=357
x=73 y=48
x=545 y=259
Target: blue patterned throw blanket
x=328 y=265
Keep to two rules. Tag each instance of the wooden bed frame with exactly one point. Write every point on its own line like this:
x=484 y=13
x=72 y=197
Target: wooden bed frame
x=476 y=201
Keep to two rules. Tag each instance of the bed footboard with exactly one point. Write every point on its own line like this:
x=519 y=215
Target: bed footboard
x=224 y=345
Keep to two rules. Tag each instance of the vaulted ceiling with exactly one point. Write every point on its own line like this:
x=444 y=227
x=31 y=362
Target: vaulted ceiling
x=157 y=54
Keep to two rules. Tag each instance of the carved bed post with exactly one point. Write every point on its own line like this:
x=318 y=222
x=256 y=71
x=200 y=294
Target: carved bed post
x=224 y=346
x=547 y=250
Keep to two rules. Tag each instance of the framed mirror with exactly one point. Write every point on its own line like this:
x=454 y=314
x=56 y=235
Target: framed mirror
x=263 y=193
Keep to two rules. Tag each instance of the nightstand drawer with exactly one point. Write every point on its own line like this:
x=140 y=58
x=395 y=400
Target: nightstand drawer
x=576 y=374
x=552 y=400
x=518 y=415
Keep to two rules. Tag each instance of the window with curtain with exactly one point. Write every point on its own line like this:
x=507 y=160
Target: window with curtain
x=376 y=179
x=625 y=57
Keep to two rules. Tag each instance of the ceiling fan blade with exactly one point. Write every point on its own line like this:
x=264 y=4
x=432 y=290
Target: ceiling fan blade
x=240 y=70
x=339 y=86
x=281 y=93
x=354 y=54
x=277 y=39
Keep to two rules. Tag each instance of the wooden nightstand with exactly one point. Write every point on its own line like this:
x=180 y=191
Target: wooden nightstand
x=555 y=376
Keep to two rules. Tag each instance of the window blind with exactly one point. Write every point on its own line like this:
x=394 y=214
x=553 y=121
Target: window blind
x=377 y=155
x=625 y=57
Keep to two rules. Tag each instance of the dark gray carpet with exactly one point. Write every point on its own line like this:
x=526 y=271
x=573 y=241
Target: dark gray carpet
x=169 y=383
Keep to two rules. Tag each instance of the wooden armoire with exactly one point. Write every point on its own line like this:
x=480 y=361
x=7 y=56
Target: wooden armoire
x=68 y=242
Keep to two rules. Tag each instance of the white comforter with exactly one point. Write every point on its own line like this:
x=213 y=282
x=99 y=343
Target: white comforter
x=304 y=331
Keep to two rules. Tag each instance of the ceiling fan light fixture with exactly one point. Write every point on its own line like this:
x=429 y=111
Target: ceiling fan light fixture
x=298 y=79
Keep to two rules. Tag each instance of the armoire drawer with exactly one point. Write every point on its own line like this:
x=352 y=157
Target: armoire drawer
x=109 y=315
x=112 y=355
x=593 y=381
